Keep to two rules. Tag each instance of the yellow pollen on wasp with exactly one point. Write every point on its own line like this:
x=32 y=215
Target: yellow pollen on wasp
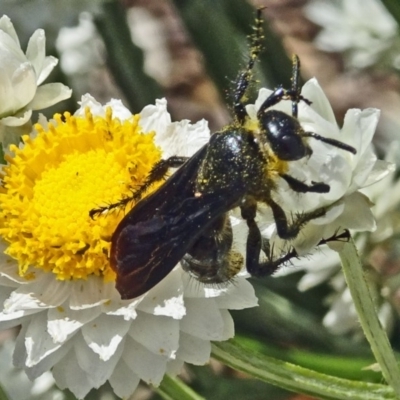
x=54 y=179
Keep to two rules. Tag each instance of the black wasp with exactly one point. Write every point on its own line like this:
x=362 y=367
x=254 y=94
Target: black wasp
x=186 y=219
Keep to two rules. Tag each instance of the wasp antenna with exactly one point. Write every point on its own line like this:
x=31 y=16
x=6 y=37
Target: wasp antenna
x=332 y=142
x=295 y=84
x=244 y=77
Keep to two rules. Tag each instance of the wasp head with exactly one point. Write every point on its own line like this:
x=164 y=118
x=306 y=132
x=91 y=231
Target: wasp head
x=285 y=135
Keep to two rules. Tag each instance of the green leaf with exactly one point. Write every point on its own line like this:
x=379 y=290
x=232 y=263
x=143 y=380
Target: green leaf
x=296 y=378
x=124 y=59
x=361 y=292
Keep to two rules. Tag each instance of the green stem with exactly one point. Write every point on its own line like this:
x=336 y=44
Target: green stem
x=173 y=389
x=362 y=295
x=296 y=378
x=3 y=394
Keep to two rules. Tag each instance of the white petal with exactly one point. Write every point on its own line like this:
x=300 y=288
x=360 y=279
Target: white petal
x=69 y=375
x=123 y=308
x=38 y=342
x=158 y=334
x=9 y=270
x=16 y=120
x=155 y=118
x=193 y=350
x=104 y=334
x=48 y=65
x=166 y=298
x=97 y=371
x=36 y=52
x=63 y=322
x=90 y=293
x=19 y=356
x=360 y=126
x=48 y=362
x=182 y=138
x=144 y=363
x=357 y=214
x=240 y=295
x=320 y=104
x=48 y=95
x=7 y=26
x=119 y=110
x=381 y=170
x=88 y=100
x=123 y=387
x=203 y=319
x=174 y=367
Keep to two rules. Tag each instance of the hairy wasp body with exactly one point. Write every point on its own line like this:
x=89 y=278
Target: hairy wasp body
x=186 y=219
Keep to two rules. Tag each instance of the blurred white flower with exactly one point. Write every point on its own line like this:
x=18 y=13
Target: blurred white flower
x=22 y=76
x=56 y=280
x=81 y=52
x=361 y=29
x=148 y=33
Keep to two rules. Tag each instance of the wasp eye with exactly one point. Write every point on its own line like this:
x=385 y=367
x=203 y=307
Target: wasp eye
x=284 y=135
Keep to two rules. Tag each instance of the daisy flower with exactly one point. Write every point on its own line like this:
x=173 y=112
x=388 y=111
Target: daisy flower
x=376 y=246
x=361 y=29
x=22 y=76
x=346 y=173
x=55 y=278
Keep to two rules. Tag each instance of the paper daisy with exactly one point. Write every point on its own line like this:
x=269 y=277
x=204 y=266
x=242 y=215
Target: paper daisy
x=55 y=277
x=22 y=76
x=363 y=30
x=345 y=173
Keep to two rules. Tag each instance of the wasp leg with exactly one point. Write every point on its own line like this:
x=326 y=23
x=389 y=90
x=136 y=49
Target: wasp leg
x=255 y=244
x=301 y=187
x=270 y=266
x=290 y=231
x=158 y=173
x=244 y=78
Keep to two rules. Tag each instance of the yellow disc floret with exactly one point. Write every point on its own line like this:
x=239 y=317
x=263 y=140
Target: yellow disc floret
x=54 y=180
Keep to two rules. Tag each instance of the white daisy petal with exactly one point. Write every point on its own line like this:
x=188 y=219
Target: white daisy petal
x=123 y=387
x=238 y=294
x=205 y=324
x=167 y=299
x=63 y=322
x=97 y=372
x=89 y=293
x=49 y=94
x=193 y=350
x=36 y=52
x=104 y=334
x=47 y=363
x=146 y=331
x=69 y=375
x=174 y=367
x=39 y=344
x=151 y=366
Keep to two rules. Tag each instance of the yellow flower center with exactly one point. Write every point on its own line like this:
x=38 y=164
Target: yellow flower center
x=54 y=180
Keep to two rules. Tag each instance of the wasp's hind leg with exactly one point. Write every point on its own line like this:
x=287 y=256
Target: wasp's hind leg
x=288 y=230
x=158 y=173
x=244 y=78
x=255 y=243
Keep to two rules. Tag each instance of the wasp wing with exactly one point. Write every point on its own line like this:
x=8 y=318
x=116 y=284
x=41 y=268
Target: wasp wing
x=149 y=250
x=155 y=235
